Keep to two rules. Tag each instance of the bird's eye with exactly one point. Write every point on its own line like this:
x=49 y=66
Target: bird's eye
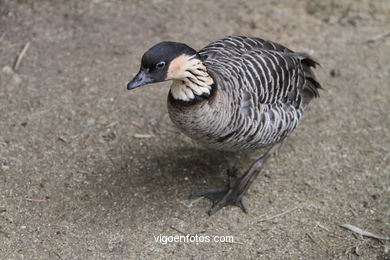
x=160 y=65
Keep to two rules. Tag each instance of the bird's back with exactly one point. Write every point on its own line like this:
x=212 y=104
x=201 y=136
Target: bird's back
x=260 y=91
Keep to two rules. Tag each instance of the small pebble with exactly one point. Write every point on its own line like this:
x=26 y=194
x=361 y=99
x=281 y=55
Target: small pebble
x=334 y=73
x=375 y=196
x=5 y=167
x=90 y=121
x=7 y=70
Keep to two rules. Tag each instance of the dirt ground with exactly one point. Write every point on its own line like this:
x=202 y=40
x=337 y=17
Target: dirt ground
x=89 y=170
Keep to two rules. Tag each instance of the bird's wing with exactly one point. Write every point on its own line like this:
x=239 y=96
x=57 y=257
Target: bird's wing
x=238 y=44
x=272 y=71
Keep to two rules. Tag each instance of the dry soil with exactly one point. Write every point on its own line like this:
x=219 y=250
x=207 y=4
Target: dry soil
x=89 y=170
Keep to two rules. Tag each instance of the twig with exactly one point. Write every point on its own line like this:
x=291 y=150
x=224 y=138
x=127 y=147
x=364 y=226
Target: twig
x=139 y=125
x=113 y=163
x=323 y=227
x=21 y=56
x=30 y=116
x=2 y=36
x=233 y=242
x=178 y=230
x=378 y=37
x=142 y=136
x=57 y=255
x=363 y=232
x=111 y=124
x=63 y=139
x=36 y=200
x=352 y=211
x=357 y=236
x=87 y=173
x=280 y=214
x=191 y=202
x=311 y=238
x=61 y=226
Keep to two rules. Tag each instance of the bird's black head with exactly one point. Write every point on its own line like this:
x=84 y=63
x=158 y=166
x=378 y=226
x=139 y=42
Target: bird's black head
x=159 y=62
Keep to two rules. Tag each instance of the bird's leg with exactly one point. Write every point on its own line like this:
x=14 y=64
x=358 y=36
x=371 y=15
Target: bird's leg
x=233 y=193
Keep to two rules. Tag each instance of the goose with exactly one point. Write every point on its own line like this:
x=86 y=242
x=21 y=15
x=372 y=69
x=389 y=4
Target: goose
x=237 y=93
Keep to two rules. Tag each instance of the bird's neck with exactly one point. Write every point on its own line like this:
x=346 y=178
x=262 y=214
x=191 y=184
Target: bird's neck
x=190 y=78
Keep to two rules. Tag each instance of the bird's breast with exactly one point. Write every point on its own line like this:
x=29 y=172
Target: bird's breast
x=203 y=120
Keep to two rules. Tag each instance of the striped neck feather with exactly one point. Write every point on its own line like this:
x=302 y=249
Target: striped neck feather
x=190 y=78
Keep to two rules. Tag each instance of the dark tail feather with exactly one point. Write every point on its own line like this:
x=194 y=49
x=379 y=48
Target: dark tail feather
x=312 y=85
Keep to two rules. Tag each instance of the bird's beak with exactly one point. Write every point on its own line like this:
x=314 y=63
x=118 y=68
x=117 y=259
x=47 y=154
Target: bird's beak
x=142 y=78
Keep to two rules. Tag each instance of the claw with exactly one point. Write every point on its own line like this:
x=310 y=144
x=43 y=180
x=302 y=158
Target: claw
x=233 y=193
x=243 y=204
x=226 y=195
